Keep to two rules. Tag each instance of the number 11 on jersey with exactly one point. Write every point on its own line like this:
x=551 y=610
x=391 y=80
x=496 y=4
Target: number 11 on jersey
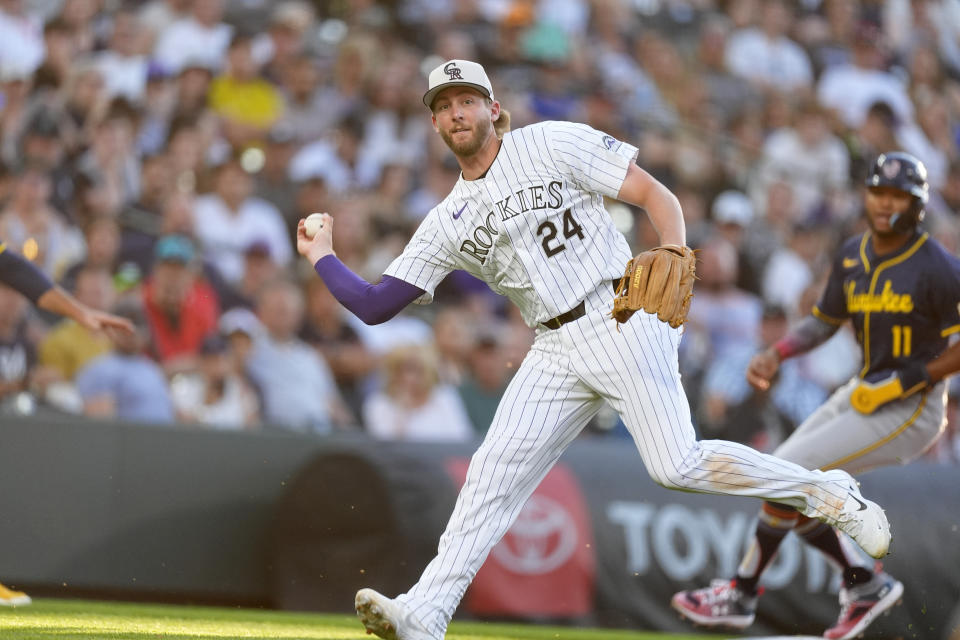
x=902 y=339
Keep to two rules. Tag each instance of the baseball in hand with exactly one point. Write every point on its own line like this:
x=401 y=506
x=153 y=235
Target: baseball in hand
x=312 y=224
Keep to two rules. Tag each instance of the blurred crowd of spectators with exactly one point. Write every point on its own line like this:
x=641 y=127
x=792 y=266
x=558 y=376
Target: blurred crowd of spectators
x=155 y=157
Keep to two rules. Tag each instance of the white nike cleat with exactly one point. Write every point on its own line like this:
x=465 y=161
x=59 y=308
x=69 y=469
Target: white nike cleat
x=862 y=519
x=387 y=619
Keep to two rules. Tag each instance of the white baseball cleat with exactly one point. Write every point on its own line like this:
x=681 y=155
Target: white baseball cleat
x=862 y=519
x=387 y=619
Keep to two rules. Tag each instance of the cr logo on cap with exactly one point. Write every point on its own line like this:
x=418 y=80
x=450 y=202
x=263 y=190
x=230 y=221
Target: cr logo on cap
x=453 y=71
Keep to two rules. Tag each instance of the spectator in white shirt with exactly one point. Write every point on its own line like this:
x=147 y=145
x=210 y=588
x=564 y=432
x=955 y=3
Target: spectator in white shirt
x=766 y=56
x=791 y=268
x=29 y=224
x=414 y=404
x=338 y=160
x=807 y=156
x=215 y=395
x=201 y=37
x=296 y=385
x=908 y=23
x=21 y=38
x=851 y=89
x=124 y=65
x=229 y=219
x=157 y=15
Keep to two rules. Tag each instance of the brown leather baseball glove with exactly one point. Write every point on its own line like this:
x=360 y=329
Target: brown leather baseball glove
x=658 y=281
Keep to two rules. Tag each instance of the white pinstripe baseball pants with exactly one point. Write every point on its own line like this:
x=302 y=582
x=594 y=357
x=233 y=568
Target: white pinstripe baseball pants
x=563 y=381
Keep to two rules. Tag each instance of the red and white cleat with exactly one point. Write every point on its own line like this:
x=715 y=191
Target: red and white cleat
x=722 y=604
x=860 y=605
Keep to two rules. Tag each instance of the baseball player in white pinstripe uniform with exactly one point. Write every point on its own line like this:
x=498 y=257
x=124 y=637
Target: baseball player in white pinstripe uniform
x=527 y=217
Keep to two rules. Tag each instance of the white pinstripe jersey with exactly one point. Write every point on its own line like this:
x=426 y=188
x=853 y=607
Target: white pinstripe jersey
x=534 y=227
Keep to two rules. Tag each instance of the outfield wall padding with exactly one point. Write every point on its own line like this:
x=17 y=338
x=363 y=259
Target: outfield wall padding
x=277 y=519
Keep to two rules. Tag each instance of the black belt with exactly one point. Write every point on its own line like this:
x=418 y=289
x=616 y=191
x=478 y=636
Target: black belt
x=574 y=314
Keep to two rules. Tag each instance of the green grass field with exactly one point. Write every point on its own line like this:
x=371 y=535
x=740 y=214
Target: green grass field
x=89 y=620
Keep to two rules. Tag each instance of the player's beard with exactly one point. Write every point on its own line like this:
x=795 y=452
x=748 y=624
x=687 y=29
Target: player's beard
x=481 y=131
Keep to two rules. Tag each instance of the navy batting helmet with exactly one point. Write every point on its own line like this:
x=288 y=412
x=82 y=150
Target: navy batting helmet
x=904 y=172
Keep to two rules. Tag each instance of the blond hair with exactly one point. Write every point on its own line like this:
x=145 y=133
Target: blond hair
x=502 y=124
x=396 y=358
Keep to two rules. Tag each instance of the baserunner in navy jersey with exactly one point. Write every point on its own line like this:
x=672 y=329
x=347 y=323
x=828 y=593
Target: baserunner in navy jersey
x=20 y=274
x=901 y=290
x=527 y=216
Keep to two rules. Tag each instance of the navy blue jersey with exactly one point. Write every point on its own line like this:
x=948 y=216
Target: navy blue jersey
x=20 y=274
x=904 y=305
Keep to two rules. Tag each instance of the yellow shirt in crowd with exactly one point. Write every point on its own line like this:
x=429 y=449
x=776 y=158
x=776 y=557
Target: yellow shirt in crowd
x=251 y=102
x=69 y=347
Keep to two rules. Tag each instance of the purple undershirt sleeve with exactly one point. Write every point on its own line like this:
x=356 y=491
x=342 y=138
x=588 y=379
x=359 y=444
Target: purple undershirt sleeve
x=372 y=303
